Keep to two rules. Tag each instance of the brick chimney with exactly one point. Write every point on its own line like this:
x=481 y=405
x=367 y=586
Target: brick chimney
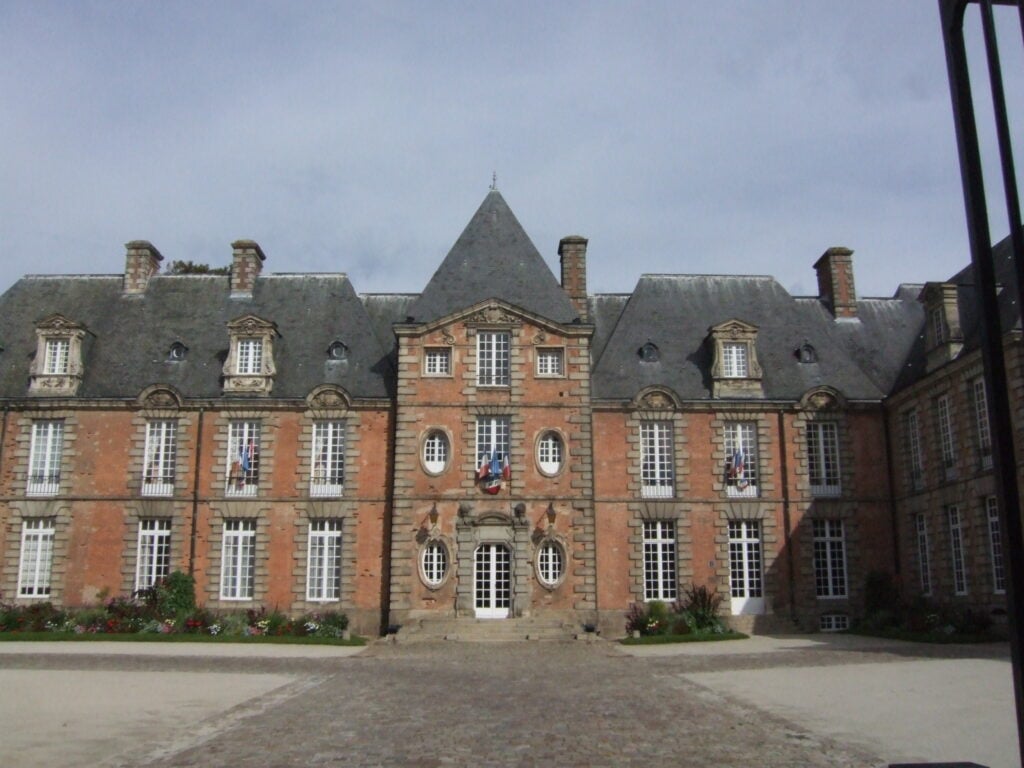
x=572 y=251
x=835 y=282
x=246 y=264
x=141 y=262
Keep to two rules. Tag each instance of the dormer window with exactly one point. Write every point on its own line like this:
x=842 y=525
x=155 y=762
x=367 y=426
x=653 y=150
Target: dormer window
x=249 y=367
x=943 y=336
x=649 y=353
x=57 y=368
x=807 y=354
x=337 y=351
x=938 y=325
x=735 y=371
x=177 y=352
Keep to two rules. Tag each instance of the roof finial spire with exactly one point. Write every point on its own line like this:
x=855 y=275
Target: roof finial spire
x=494 y=181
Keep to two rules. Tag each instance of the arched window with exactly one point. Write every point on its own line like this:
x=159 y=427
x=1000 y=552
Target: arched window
x=549 y=453
x=434 y=563
x=550 y=563
x=435 y=452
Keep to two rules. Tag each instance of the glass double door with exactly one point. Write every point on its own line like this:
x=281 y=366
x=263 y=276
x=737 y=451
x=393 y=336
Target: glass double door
x=492 y=581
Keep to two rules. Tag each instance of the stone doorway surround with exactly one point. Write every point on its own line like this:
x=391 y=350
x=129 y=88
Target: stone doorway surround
x=495 y=523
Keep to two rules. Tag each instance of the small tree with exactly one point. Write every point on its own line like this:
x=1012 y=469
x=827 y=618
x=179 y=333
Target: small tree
x=192 y=268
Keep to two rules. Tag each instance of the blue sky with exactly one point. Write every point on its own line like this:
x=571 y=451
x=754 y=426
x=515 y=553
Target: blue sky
x=683 y=137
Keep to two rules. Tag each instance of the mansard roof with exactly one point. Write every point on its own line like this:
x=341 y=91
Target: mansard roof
x=674 y=312
x=132 y=335
x=493 y=258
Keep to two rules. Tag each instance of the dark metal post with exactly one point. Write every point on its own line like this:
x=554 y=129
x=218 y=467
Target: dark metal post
x=1000 y=412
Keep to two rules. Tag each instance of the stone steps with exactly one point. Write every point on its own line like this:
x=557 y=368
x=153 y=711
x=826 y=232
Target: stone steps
x=474 y=630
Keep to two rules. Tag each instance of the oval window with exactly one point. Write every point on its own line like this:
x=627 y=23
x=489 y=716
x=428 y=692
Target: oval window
x=434 y=563
x=549 y=453
x=550 y=563
x=435 y=452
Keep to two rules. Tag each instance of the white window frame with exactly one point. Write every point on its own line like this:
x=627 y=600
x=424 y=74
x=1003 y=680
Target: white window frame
x=323 y=561
x=327 y=477
x=924 y=565
x=833 y=622
x=550 y=362
x=830 y=559
x=436 y=451
x=57 y=357
x=249 y=357
x=493 y=358
x=35 y=562
x=936 y=316
x=914 y=455
x=741 y=436
x=659 y=550
x=984 y=433
x=995 y=542
x=823 y=458
x=239 y=481
x=159 y=457
x=437 y=361
x=492 y=434
x=550 y=563
x=434 y=563
x=746 y=579
x=956 y=546
x=550 y=453
x=947 y=446
x=657 y=459
x=735 y=360
x=45 y=457
x=153 y=552
x=238 y=560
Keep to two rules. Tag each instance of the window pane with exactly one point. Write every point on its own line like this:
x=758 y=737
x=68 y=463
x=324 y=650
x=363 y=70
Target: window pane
x=656 y=460
x=153 y=560
x=434 y=563
x=923 y=555
x=243 y=475
x=56 y=357
x=324 y=563
x=823 y=458
x=745 y=558
x=996 y=545
x=435 y=452
x=36 y=559
x=549 y=362
x=45 y=458
x=659 y=560
x=238 y=559
x=550 y=563
x=981 y=423
x=158 y=461
x=829 y=558
x=956 y=541
x=328 y=476
x=740 y=459
x=549 y=453
x=438 y=361
x=734 y=362
x=250 y=356
x=492 y=359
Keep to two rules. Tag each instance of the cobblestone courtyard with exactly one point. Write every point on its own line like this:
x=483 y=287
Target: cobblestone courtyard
x=461 y=704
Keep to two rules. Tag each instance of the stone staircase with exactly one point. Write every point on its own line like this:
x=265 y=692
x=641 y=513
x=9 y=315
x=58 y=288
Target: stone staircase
x=474 y=630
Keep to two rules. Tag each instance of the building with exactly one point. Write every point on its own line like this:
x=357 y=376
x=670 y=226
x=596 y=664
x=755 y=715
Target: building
x=502 y=444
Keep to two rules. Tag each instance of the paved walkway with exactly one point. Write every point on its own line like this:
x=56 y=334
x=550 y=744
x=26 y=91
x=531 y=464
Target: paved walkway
x=807 y=701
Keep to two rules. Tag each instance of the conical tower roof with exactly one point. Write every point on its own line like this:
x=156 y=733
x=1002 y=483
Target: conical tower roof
x=493 y=258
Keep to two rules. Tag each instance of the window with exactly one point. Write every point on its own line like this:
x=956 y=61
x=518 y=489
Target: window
x=649 y=353
x=745 y=558
x=740 y=459
x=328 y=478
x=44 y=458
x=938 y=324
x=550 y=563
x=912 y=445
x=549 y=453
x=159 y=457
x=823 y=458
x=177 y=352
x=829 y=558
x=996 y=545
x=337 y=351
x=946 y=445
x=659 y=560
x=323 y=573
x=492 y=359
x=656 y=461
x=243 y=477
x=36 y=558
x=153 y=560
x=57 y=357
x=550 y=362
x=437 y=361
x=981 y=422
x=491 y=438
x=833 y=622
x=435 y=452
x=250 y=357
x=434 y=563
x=923 y=557
x=956 y=543
x=734 y=360
x=238 y=560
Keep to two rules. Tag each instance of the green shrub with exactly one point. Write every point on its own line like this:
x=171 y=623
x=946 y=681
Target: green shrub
x=175 y=595
x=701 y=605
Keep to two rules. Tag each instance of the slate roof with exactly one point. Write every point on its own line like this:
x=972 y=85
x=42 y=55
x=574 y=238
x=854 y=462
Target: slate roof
x=127 y=349
x=493 y=258
x=675 y=312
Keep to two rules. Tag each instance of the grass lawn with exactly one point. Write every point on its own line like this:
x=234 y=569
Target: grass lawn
x=693 y=637
x=156 y=637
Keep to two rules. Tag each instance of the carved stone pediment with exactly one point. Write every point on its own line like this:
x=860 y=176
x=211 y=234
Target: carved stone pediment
x=493 y=316
x=328 y=397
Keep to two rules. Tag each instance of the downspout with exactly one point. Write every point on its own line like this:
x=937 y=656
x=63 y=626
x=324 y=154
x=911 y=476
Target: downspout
x=3 y=437
x=786 y=517
x=891 y=496
x=195 y=496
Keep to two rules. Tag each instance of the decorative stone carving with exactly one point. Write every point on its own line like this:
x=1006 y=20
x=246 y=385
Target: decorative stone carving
x=447 y=338
x=65 y=383
x=493 y=316
x=735 y=332
x=259 y=382
x=540 y=337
